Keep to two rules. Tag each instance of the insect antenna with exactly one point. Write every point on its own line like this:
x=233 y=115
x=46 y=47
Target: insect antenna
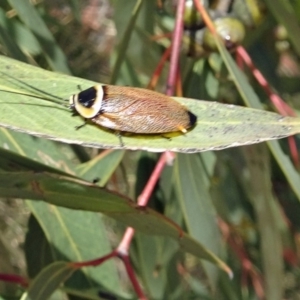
x=28 y=87
x=33 y=96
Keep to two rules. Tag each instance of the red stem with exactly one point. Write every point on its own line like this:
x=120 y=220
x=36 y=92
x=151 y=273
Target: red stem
x=206 y=18
x=132 y=277
x=158 y=69
x=144 y=198
x=13 y=278
x=176 y=43
x=248 y=270
x=94 y=262
x=123 y=247
x=283 y=108
x=277 y=101
x=294 y=151
x=148 y=189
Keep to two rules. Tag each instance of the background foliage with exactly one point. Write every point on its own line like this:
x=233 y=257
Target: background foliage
x=241 y=204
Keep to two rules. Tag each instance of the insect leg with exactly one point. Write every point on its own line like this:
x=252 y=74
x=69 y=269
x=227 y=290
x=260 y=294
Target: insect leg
x=80 y=126
x=118 y=134
x=166 y=137
x=96 y=180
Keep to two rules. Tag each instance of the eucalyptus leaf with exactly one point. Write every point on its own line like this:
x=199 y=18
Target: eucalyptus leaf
x=48 y=281
x=25 y=92
x=53 y=53
x=78 y=194
x=250 y=98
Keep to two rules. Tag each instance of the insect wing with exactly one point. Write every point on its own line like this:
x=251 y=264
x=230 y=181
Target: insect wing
x=141 y=111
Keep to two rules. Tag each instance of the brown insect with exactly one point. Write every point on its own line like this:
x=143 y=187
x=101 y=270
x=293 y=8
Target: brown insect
x=135 y=110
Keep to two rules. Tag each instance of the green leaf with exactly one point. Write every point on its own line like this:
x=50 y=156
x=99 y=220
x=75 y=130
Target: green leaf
x=36 y=236
x=192 y=186
x=66 y=230
x=202 y=82
x=125 y=40
x=46 y=152
x=268 y=215
x=68 y=233
x=219 y=126
x=251 y=99
x=134 y=36
x=102 y=166
x=35 y=23
x=48 y=281
x=20 y=35
x=153 y=265
x=13 y=162
x=77 y=194
x=7 y=40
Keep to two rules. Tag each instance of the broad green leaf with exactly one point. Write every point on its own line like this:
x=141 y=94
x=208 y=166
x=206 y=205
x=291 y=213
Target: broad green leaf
x=77 y=283
x=192 y=186
x=174 y=287
x=77 y=194
x=28 y=14
x=64 y=228
x=49 y=153
x=68 y=233
x=219 y=126
x=13 y=162
x=193 y=192
x=268 y=215
x=153 y=265
x=36 y=261
x=44 y=285
x=157 y=267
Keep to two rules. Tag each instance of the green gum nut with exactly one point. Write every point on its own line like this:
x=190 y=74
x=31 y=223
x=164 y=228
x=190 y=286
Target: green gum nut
x=231 y=30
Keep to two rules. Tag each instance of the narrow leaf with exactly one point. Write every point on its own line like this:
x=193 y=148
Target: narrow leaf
x=48 y=281
x=101 y=167
x=77 y=194
x=32 y=20
x=251 y=99
x=219 y=126
x=125 y=41
x=8 y=41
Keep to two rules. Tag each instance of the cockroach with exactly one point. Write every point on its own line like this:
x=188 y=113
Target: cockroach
x=132 y=110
